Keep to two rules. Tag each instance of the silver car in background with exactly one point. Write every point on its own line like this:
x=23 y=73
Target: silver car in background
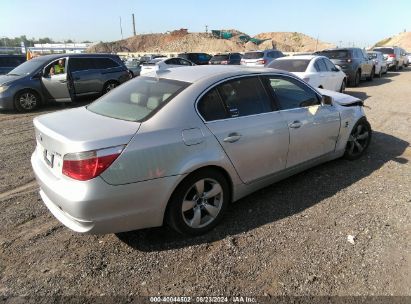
x=379 y=61
x=261 y=58
x=177 y=146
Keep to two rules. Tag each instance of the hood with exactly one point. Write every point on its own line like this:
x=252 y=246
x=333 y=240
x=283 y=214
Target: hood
x=342 y=99
x=6 y=79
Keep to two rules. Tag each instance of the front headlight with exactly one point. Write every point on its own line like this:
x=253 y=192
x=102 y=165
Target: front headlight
x=3 y=88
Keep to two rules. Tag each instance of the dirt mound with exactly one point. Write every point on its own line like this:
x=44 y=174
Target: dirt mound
x=183 y=41
x=403 y=40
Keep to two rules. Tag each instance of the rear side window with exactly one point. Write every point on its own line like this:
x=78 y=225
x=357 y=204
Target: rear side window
x=385 y=50
x=291 y=94
x=104 y=63
x=80 y=64
x=253 y=55
x=137 y=99
x=219 y=58
x=245 y=96
x=211 y=106
x=321 y=65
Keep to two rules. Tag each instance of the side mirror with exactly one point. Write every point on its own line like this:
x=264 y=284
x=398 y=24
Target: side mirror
x=327 y=100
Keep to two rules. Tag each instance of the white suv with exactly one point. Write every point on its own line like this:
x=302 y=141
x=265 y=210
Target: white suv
x=393 y=56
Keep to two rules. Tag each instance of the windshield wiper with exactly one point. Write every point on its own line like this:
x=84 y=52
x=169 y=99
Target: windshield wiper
x=11 y=74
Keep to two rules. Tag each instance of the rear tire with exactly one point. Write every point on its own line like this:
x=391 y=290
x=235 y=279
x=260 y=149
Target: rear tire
x=357 y=78
x=26 y=101
x=198 y=203
x=371 y=77
x=109 y=86
x=359 y=140
x=343 y=86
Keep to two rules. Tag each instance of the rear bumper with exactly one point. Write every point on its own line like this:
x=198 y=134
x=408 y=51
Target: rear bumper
x=96 y=207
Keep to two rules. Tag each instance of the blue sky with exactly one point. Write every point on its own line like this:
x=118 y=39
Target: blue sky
x=340 y=22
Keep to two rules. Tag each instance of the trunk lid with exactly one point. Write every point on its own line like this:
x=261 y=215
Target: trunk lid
x=78 y=130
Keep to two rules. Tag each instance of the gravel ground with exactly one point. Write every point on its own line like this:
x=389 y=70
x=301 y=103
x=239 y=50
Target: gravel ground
x=287 y=239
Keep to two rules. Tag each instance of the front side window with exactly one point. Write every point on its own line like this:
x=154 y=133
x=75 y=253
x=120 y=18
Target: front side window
x=321 y=65
x=329 y=64
x=291 y=94
x=138 y=99
x=245 y=96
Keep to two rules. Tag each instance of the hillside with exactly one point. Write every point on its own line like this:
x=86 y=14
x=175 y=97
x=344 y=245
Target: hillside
x=182 y=41
x=403 y=40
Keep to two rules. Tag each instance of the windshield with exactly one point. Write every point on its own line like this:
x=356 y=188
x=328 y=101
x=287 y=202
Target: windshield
x=253 y=55
x=335 y=54
x=385 y=50
x=290 y=65
x=27 y=68
x=137 y=99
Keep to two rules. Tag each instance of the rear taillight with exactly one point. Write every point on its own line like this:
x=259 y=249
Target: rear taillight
x=391 y=55
x=87 y=165
x=224 y=62
x=261 y=61
x=349 y=60
x=242 y=62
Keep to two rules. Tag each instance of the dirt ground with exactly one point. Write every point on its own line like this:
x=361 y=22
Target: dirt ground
x=287 y=239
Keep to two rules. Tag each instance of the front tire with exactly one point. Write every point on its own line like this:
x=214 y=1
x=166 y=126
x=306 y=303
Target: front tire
x=371 y=77
x=359 y=140
x=26 y=101
x=199 y=203
x=380 y=73
x=356 y=81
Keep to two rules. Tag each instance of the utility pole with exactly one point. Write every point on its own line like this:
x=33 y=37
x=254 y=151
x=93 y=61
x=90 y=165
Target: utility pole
x=316 y=43
x=206 y=28
x=134 y=25
x=121 y=30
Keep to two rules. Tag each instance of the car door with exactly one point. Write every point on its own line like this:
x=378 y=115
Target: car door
x=240 y=114
x=313 y=127
x=56 y=86
x=85 y=75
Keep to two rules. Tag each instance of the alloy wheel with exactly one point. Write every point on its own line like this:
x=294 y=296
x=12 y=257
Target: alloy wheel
x=202 y=203
x=358 y=140
x=28 y=101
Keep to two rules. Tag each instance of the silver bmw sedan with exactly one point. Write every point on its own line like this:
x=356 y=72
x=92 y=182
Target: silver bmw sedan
x=179 y=145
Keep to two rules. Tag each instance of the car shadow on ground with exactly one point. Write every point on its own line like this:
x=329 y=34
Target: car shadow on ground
x=283 y=199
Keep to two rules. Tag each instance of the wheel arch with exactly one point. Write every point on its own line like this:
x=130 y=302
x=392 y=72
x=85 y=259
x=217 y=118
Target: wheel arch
x=216 y=168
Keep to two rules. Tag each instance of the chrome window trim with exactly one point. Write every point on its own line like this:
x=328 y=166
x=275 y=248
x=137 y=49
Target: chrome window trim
x=214 y=85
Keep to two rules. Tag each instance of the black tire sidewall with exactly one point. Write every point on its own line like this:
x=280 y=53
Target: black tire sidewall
x=368 y=126
x=174 y=217
x=106 y=86
x=17 y=105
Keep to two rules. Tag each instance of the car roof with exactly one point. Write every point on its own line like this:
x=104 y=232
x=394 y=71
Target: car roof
x=11 y=55
x=196 y=73
x=306 y=57
x=88 y=55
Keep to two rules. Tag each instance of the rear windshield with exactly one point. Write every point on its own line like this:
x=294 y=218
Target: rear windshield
x=290 y=65
x=385 y=50
x=253 y=55
x=219 y=58
x=137 y=99
x=335 y=54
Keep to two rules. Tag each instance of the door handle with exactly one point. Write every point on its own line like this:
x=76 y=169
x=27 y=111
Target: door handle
x=232 y=137
x=295 y=124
